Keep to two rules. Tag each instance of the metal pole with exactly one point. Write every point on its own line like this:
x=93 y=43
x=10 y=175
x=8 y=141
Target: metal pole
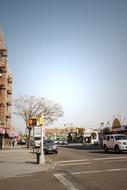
x=33 y=139
x=42 y=158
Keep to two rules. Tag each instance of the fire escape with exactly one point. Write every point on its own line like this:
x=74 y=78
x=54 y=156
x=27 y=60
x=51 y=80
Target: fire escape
x=5 y=91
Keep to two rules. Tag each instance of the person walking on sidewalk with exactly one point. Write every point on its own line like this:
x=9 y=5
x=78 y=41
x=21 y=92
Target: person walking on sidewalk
x=13 y=142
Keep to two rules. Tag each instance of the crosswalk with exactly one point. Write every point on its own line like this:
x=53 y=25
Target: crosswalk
x=89 y=160
x=98 y=164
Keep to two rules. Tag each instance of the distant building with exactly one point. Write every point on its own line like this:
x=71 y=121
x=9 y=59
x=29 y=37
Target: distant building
x=5 y=95
x=118 y=127
x=90 y=135
x=72 y=134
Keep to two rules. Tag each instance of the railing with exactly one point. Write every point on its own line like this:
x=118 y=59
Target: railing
x=9 y=78
x=9 y=91
x=2 y=82
x=3 y=52
x=3 y=65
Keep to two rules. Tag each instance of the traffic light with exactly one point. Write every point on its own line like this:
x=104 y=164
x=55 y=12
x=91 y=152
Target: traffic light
x=32 y=121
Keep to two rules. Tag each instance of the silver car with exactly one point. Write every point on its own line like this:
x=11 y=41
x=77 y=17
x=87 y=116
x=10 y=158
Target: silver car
x=50 y=147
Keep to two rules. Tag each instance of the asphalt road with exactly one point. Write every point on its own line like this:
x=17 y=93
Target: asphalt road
x=76 y=168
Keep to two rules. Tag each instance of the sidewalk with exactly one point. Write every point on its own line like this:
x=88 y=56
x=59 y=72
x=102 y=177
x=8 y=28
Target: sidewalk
x=19 y=161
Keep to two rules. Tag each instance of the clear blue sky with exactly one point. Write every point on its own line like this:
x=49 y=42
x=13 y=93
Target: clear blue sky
x=73 y=52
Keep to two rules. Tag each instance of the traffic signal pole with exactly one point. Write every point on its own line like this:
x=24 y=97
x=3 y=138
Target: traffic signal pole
x=33 y=138
x=42 y=158
x=33 y=122
x=41 y=122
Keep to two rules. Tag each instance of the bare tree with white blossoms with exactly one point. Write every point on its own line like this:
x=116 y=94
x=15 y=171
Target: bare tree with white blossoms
x=29 y=106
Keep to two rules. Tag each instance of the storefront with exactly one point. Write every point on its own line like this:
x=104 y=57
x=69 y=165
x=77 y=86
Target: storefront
x=2 y=134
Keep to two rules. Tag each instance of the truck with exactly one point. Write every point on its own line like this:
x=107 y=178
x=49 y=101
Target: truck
x=36 y=136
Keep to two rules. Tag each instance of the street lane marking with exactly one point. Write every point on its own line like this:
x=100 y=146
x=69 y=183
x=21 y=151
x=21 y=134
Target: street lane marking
x=65 y=182
x=70 y=186
x=110 y=158
x=99 y=171
x=115 y=170
x=91 y=159
x=87 y=172
x=109 y=161
x=67 y=161
x=71 y=164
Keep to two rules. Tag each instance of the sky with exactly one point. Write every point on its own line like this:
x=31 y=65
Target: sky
x=73 y=52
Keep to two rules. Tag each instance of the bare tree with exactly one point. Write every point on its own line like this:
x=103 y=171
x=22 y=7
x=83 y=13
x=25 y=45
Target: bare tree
x=29 y=106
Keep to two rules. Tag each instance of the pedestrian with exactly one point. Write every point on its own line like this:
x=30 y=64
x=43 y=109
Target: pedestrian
x=101 y=140
x=13 y=142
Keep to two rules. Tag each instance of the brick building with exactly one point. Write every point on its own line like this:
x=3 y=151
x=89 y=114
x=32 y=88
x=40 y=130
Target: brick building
x=5 y=95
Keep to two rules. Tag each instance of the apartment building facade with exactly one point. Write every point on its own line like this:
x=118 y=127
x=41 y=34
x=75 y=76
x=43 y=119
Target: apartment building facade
x=5 y=95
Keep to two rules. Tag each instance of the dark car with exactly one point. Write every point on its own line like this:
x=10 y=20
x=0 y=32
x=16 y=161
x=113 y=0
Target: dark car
x=21 y=143
x=50 y=147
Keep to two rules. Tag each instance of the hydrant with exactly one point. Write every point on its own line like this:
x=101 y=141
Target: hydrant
x=38 y=154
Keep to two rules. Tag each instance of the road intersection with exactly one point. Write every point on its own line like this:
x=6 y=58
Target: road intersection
x=71 y=169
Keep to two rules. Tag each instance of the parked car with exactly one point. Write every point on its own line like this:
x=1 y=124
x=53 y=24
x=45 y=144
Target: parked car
x=50 y=147
x=65 y=142
x=116 y=142
x=56 y=141
x=60 y=141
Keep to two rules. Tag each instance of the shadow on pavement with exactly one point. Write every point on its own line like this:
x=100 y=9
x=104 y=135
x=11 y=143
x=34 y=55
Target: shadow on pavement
x=31 y=162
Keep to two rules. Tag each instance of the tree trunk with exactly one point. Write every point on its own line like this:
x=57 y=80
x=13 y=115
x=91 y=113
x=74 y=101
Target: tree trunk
x=28 y=138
